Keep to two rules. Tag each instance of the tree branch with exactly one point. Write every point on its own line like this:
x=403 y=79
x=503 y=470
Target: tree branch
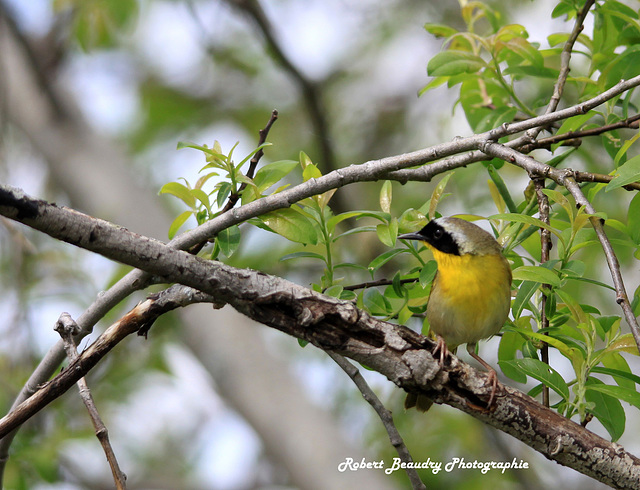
x=385 y=416
x=311 y=91
x=402 y=355
x=394 y=168
x=66 y=327
x=545 y=247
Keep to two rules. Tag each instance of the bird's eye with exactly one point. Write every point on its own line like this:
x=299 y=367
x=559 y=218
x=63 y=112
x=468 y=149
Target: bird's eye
x=438 y=233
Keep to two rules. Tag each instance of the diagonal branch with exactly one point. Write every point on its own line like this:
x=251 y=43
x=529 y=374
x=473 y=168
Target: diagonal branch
x=394 y=167
x=384 y=414
x=565 y=58
x=66 y=327
x=402 y=355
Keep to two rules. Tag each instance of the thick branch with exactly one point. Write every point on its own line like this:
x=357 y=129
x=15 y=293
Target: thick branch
x=402 y=355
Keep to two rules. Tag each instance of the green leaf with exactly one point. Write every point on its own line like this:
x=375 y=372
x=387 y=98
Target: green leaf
x=531 y=71
x=292 y=225
x=563 y=8
x=388 y=233
x=623 y=67
x=437 y=194
x=311 y=171
x=300 y=255
x=607 y=409
x=228 y=240
x=334 y=291
x=621 y=377
x=376 y=303
x=622 y=152
x=574 y=123
x=334 y=220
x=495 y=117
x=502 y=188
x=510 y=344
x=203 y=197
x=543 y=373
x=272 y=173
x=536 y=273
x=529 y=220
x=569 y=352
x=452 y=62
x=180 y=191
x=223 y=193
x=385 y=196
x=178 y=222
x=439 y=30
x=526 y=290
x=428 y=273
x=633 y=219
x=624 y=343
x=382 y=259
x=627 y=173
x=620 y=392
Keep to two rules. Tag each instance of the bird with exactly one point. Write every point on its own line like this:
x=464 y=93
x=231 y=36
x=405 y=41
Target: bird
x=471 y=292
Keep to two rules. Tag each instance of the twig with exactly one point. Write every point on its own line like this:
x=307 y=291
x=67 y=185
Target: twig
x=385 y=416
x=564 y=177
x=425 y=173
x=545 y=246
x=67 y=328
x=176 y=296
x=575 y=136
x=253 y=163
x=594 y=177
x=379 y=282
x=565 y=59
x=311 y=90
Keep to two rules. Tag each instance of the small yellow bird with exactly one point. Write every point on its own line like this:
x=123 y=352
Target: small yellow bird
x=471 y=293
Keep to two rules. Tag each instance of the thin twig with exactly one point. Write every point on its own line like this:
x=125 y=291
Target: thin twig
x=603 y=178
x=378 y=282
x=253 y=163
x=176 y=296
x=311 y=90
x=572 y=138
x=545 y=246
x=67 y=328
x=565 y=59
x=385 y=416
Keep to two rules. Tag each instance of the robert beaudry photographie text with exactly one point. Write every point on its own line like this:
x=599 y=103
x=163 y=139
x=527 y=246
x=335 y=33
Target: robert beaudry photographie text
x=435 y=467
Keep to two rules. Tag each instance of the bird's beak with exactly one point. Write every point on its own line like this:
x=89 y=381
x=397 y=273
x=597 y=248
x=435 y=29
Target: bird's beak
x=411 y=236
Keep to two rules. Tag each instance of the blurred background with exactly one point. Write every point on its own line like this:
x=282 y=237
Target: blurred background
x=94 y=97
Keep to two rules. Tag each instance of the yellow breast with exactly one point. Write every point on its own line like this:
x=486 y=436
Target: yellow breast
x=470 y=298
